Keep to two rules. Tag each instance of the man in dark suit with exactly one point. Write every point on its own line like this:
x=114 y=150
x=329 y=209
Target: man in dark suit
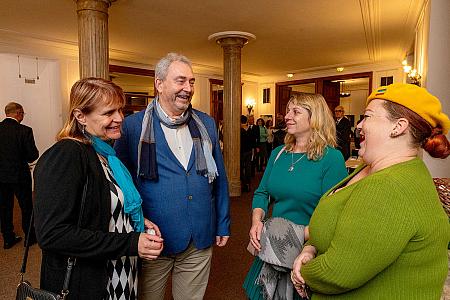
x=17 y=149
x=254 y=140
x=343 y=131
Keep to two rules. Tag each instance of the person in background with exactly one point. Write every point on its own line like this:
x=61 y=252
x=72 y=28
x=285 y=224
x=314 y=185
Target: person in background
x=343 y=131
x=279 y=131
x=269 y=127
x=261 y=157
x=297 y=174
x=254 y=137
x=246 y=155
x=382 y=233
x=110 y=237
x=17 y=150
x=173 y=153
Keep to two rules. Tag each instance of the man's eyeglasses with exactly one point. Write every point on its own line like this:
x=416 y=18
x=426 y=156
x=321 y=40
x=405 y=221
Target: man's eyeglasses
x=338 y=110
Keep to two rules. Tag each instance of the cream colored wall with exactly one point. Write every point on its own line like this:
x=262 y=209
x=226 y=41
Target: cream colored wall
x=356 y=103
x=250 y=91
x=41 y=101
x=201 y=99
x=438 y=71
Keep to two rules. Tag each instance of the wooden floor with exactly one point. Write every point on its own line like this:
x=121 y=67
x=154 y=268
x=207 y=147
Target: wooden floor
x=229 y=264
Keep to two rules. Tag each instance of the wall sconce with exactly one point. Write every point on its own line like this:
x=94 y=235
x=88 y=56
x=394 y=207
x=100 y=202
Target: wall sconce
x=250 y=103
x=414 y=77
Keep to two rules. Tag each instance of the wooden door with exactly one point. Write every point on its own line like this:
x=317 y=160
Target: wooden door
x=283 y=93
x=330 y=92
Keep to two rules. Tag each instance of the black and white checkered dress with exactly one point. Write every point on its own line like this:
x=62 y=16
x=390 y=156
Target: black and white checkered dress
x=122 y=273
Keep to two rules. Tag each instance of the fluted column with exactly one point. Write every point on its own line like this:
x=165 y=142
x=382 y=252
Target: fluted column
x=232 y=43
x=93 y=42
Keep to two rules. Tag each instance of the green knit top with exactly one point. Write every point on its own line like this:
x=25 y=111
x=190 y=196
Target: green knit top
x=383 y=237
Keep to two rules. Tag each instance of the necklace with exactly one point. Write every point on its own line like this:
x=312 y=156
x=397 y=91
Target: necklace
x=291 y=168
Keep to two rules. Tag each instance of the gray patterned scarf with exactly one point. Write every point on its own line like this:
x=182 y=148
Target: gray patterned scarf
x=204 y=160
x=281 y=242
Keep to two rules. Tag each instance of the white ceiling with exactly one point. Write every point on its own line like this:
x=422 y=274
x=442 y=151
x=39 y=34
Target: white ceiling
x=291 y=36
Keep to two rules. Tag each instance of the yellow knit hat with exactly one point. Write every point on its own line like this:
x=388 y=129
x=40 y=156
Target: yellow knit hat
x=416 y=99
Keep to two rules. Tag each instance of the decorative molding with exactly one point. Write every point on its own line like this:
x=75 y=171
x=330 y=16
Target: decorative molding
x=412 y=22
x=370 y=13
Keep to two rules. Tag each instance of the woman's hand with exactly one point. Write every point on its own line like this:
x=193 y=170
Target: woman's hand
x=255 y=234
x=150 y=225
x=257 y=225
x=150 y=246
x=308 y=253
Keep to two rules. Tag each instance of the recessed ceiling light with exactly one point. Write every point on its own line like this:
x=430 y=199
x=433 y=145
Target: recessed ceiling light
x=290 y=75
x=340 y=69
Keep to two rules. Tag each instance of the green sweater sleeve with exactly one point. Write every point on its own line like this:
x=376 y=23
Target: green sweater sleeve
x=370 y=233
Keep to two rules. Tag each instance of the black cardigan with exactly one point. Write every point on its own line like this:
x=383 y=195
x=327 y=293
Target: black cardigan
x=59 y=178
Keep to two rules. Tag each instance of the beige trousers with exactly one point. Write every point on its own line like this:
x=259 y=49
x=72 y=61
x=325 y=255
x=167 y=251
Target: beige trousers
x=190 y=273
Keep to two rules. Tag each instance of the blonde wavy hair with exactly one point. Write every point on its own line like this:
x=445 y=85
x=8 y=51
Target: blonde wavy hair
x=323 y=127
x=85 y=95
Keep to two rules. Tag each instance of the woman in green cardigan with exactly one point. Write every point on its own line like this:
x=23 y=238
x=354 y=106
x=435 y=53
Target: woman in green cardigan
x=296 y=175
x=382 y=233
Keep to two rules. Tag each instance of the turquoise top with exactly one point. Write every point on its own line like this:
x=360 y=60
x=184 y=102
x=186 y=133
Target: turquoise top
x=296 y=194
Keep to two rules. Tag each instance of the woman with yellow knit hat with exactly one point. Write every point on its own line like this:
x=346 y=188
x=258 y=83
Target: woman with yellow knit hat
x=381 y=233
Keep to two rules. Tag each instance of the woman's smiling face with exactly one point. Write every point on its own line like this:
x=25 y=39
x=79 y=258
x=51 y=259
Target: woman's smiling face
x=375 y=131
x=104 y=121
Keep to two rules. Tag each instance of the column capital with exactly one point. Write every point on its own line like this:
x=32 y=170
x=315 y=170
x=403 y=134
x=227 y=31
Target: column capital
x=232 y=38
x=98 y=5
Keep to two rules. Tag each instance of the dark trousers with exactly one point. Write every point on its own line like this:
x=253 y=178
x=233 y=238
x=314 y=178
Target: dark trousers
x=23 y=194
x=246 y=170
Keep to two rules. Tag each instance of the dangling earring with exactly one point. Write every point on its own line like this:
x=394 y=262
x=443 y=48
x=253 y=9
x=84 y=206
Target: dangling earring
x=83 y=129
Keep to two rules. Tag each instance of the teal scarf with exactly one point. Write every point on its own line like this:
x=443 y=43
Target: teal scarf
x=132 y=199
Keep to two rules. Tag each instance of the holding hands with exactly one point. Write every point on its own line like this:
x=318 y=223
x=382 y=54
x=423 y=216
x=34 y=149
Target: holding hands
x=150 y=242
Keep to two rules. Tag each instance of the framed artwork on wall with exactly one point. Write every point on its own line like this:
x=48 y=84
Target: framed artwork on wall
x=266 y=95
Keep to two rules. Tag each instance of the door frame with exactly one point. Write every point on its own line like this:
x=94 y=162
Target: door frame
x=318 y=81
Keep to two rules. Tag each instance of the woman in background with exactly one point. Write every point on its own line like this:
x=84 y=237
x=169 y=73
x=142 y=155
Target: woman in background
x=382 y=233
x=261 y=156
x=110 y=237
x=297 y=174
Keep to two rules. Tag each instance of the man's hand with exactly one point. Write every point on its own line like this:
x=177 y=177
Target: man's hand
x=221 y=240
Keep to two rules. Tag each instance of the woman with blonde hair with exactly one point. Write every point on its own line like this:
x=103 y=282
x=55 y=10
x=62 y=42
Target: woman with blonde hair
x=382 y=233
x=105 y=235
x=297 y=174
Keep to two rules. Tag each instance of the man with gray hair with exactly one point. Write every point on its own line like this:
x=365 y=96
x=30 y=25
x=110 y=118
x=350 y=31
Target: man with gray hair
x=343 y=131
x=17 y=149
x=173 y=153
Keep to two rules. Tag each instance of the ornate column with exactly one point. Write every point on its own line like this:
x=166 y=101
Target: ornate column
x=232 y=43
x=93 y=43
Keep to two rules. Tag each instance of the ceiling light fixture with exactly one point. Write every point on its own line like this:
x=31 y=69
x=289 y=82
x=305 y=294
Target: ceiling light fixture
x=290 y=75
x=340 y=69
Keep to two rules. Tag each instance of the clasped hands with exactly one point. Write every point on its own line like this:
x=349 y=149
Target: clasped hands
x=150 y=245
